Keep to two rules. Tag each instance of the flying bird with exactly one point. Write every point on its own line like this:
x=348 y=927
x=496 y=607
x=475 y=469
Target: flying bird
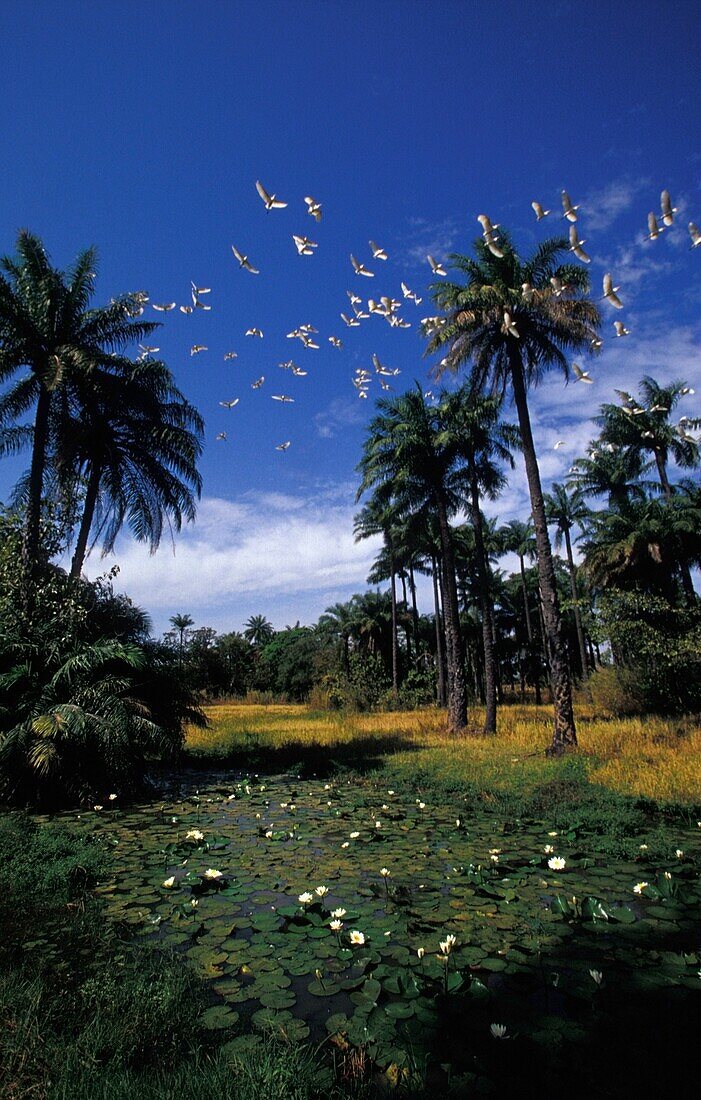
x=539 y=212
x=695 y=234
x=304 y=246
x=165 y=308
x=272 y=202
x=231 y=355
x=610 y=292
x=350 y=321
x=281 y=397
x=560 y=443
x=258 y=382
x=410 y=294
x=436 y=268
x=254 y=332
x=298 y=372
x=488 y=230
x=377 y=252
x=576 y=246
x=653 y=229
x=221 y=436
x=314 y=209
x=354 y=299
x=621 y=329
x=581 y=375
x=186 y=309
x=335 y=342
x=360 y=269
x=230 y=404
x=197 y=290
x=557 y=285
x=197 y=348
x=244 y=262
x=509 y=326
x=569 y=211
x=668 y=211
x=283 y=446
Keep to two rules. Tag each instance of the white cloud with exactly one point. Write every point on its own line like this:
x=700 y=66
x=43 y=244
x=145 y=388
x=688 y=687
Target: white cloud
x=601 y=208
x=342 y=412
x=428 y=237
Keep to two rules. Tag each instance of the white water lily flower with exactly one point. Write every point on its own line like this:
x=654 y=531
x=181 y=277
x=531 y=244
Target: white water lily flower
x=357 y=937
x=679 y=853
x=448 y=944
x=194 y=902
x=336 y=925
x=457 y=822
x=498 y=1031
x=378 y=824
x=643 y=847
x=392 y=792
x=169 y=883
x=194 y=834
x=345 y=844
x=557 y=863
x=385 y=872
x=494 y=859
x=112 y=797
x=354 y=836
x=596 y=976
x=98 y=808
x=548 y=849
x=421 y=805
x=668 y=875
x=639 y=887
x=268 y=834
x=212 y=873
x=553 y=833
x=421 y=951
x=306 y=898
x=321 y=891
x=338 y=913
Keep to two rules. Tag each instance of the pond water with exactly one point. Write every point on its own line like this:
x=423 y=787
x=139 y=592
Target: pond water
x=245 y=876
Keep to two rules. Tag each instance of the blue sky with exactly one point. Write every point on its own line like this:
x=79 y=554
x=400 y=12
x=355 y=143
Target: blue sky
x=142 y=128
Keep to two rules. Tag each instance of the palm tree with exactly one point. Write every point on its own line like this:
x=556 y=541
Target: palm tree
x=182 y=624
x=46 y=325
x=133 y=440
x=377 y=518
x=473 y=421
x=515 y=319
x=519 y=538
x=404 y=457
x=567 y=510
x=610 y=471
x=258 y=631
x=340 y=620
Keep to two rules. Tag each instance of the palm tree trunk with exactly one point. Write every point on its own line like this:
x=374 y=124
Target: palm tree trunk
x=685 y=572
x=86 y=521
x=457 y=693
x=490 y=677
x=414 y=611
x=32 y=525
x=577 y=613
x=533 y=662
x=395 y=639
x=439 y=636
x=564 y=732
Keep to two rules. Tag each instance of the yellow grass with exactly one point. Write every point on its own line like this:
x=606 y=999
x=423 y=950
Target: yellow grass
x=653 y=757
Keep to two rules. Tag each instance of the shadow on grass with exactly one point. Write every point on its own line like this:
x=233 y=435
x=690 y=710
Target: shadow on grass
x=362 y=755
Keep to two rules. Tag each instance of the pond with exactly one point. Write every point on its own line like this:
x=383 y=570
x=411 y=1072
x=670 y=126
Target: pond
x=391 y=922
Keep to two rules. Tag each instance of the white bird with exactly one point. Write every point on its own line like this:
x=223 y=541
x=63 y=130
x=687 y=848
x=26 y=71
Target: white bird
x=668 y=211
x=197 y=348
x=397 y=322
x=387 y=372
x=384 y=385
x=308 y=342
x=197 y=290
x=258 y=382
x=488 y=230
x=436 y=268
x=359 y=314
x=410 y=294
x=560 y=443
x=354 y=299
x=659 y=409
x=254 y=332
x=581 y=375
x=165 y=308
x=557 y=285
x=610 y=292
x=231 y=355
x=576 y=246
x=186 y=309
x=376 y=307
x=221 y=436
x=695 y=234
x=527 y=292
x=350 y=321
x=621 y=329
x=230 y=404
x=335 y=342
x=287 y=365
x=201 y=305
x=569 y=211
x=360 y=269
x=148 y=349
x=304 y=246
x=377 y=252
x=283 y=446
x=313 y=208
x=272 y=202
x=686 y=390
x=281 y=397
x=597 y=343
x=509 y=326
x=653 y=229
x=298 y=372
x=624 y=396
x=539 y=212
x=244 y=261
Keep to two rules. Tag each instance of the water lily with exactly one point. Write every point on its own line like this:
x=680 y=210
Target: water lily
x=112 y=797
x=421 y=805
x=346 y=844
x=213 y=874
x=494 y=858
x=498 y=1031
x=354 y=836
x=679 y=853
x=448 y=944
x=639 y=887
x=421 y=951
x=548 y=849
x=98 y=808
x=385 y=872
x=169 y=883
x=557 y=863
x=321 y=891
x=643 y=847
x=194 y=834
x=357 y=937
x=269 y=834
x=554 y=833
x=596 y=976
x=336 y=925
x=306 y=898
x=194 y=902
x=337 y=913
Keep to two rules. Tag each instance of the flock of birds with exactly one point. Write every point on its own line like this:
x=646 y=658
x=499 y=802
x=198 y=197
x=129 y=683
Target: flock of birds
x=389 y=308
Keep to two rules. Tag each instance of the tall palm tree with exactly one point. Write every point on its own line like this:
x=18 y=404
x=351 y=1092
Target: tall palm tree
x=515 y=319
x=340 y=620
x=133 y=440
x=182 y=624
x=377 y=517
x=47 y=327
x=611 y=471
x=472 y=420
x=258 y=630
x=403 y=455
x=567 y=510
